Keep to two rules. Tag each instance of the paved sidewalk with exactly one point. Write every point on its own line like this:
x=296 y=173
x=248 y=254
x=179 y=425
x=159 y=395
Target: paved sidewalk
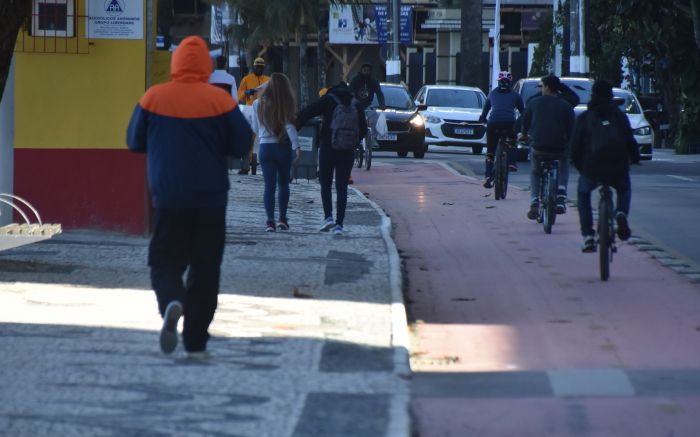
x=309 y=338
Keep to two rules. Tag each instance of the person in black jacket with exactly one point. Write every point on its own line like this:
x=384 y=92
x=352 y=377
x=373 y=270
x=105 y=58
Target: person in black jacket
x=548 y=120
x=331 y=160
x=612 y=169
x=364 y=87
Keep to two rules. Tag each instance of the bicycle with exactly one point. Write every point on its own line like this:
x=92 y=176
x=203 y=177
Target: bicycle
x=606 y=231
x=500 y=167
x=363 y=152
x=548 y=193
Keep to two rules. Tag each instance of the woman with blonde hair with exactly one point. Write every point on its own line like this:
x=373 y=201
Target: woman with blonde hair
x=273 y=123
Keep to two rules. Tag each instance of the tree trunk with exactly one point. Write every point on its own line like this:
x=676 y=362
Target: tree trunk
x=303 y=64
x=13 y=14
x=695 y=5
x=286 y=68
x=321 y=52
x=471 y=45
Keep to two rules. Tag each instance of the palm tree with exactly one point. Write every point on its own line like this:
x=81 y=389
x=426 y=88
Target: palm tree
x=471 y=42
x=271 y=22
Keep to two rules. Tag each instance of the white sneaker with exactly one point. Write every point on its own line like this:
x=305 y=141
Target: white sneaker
x=338 y=230
x=327 y=224
x=168 y=333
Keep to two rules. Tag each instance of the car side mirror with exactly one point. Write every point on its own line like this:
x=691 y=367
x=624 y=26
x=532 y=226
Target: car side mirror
x=422 y=107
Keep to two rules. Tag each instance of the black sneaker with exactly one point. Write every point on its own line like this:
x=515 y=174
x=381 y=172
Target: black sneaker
x=488 y=183
x=623 y=229
x=243 y=171
x=534 y=212
x=270 y=227
x=283 y=225
x=588 y=244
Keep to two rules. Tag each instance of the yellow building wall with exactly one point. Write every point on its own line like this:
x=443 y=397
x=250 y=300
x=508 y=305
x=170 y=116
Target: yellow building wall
x=78 y=100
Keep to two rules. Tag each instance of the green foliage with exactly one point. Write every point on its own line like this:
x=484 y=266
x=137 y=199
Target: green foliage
x=542 y=62
x=662 y=31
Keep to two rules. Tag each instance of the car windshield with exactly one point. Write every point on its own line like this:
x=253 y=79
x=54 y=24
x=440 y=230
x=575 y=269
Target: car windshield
x=454 y=98
x=628 y=104
x=582 y=88
x=395 y=97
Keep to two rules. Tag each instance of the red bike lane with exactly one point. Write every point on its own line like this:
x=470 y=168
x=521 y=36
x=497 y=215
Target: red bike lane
x=514 y=334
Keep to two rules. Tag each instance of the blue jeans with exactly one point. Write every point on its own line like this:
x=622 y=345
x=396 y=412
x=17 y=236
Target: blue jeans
x=339 y=162
x=623 y=189
x=536 y=175
x=276 y=161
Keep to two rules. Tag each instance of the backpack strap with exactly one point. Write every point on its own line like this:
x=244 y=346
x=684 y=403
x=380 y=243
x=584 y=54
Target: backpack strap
x=334 y=97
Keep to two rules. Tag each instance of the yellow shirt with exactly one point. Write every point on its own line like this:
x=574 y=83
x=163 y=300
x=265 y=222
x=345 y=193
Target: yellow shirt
x=250 y=81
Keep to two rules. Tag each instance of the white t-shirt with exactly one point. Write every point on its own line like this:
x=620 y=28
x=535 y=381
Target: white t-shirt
x=265 y=136
x=222 y=77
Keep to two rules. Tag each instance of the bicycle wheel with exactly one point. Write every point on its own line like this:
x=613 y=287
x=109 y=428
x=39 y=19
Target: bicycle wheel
x=500 y=170
x=604 y=237
x=551 y=199
x=368 y=151
x=359 y=154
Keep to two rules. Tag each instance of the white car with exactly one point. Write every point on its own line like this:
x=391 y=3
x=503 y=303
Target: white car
x=641 y=128
x=451 y=115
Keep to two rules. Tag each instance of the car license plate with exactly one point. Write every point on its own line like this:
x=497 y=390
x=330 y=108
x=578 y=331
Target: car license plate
x=387 y=137
x=464 y=131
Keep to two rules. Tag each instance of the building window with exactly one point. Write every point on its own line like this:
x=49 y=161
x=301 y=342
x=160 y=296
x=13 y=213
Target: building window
x=53 y=18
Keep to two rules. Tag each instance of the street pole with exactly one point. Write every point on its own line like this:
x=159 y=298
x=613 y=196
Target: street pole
x=556 y=35
x=393 y=63
x=579 y=64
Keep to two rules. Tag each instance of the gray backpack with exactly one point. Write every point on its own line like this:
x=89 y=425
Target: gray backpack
x=345 y=125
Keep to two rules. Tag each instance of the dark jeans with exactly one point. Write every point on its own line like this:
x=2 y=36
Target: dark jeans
x=536 y=174
x=340 y=162
x=192 y=240
x=276 y=162
x=493 y=134
x=623 y=188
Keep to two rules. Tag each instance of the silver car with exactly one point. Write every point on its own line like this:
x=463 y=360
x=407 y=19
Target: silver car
x=451 y=115
x=641 y=128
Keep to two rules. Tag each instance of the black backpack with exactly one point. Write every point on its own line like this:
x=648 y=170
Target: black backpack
x=607 y=138
x=345 y=125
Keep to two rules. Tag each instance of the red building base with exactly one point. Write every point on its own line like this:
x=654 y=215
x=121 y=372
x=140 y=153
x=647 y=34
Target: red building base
x=85 y=188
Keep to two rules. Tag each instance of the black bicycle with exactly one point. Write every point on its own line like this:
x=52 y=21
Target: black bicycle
x=606 y=231
x=500 y=165
x=548 y=193
x=363 y=153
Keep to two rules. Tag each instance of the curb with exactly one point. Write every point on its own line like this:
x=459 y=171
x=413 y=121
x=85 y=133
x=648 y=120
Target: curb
x=399 y=417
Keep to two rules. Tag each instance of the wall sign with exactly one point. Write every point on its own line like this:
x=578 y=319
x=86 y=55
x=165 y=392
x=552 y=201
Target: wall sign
x=115 y=19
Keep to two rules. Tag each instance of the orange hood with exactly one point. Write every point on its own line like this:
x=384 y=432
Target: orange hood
x=191 y=61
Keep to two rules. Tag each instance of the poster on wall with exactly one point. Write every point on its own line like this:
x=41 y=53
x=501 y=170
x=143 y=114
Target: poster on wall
x=366 y=24
x=115 y=19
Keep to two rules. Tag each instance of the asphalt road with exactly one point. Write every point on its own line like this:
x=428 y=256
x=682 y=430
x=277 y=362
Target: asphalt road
x=665 y=195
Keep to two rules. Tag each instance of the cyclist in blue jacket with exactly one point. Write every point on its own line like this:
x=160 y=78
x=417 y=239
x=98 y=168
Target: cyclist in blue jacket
x=500 y=108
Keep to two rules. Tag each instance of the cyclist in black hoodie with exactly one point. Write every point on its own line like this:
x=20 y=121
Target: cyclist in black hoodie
x=364 y=87
x=331 y=160
x=598 y=163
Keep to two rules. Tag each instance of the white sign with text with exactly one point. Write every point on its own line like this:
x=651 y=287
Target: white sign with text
x=115 y=19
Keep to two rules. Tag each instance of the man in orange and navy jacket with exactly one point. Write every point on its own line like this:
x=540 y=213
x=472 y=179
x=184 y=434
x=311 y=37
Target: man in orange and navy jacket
x=187 y=128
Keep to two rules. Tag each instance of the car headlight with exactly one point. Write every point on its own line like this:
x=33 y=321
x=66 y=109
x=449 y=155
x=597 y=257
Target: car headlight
x=432 y=119
x=417 y=120
x=646 y=130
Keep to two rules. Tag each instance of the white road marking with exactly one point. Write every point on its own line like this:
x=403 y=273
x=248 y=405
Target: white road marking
x=682 y=178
